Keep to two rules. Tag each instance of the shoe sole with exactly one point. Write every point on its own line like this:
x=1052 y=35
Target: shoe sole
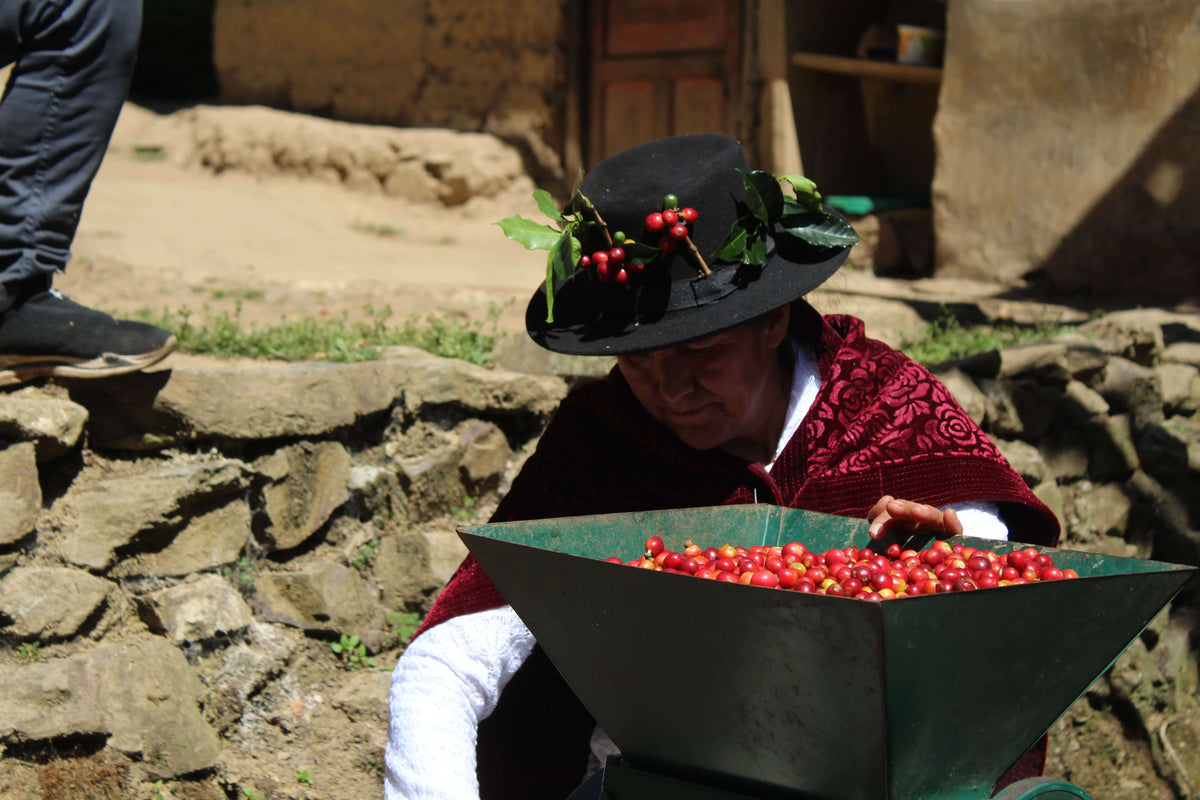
x=21 y=369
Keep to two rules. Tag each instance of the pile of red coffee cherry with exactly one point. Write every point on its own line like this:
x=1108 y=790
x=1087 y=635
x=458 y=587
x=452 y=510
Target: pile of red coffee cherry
x=855 y=572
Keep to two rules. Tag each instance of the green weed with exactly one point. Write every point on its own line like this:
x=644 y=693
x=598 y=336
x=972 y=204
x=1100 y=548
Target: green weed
x=352 y=653
x=402 y=625
x=151 y=152
x=250 y=794
x=304 y=778
x=240 y=294
x=946 y=339
x=362 y=558
x=378 y=229
x=242 y=574
x=465 y=511
x=29 y=652
x=332 y=339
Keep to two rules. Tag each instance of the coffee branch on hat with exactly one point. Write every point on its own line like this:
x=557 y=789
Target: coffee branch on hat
x=620 y=259
x=803 y=216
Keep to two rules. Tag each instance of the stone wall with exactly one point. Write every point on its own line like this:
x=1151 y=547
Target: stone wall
x=1065 y=141
x=180 y=549
x=485 y=67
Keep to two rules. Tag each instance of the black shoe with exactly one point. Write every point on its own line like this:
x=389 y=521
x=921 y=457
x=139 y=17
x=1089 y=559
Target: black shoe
x=47 y=334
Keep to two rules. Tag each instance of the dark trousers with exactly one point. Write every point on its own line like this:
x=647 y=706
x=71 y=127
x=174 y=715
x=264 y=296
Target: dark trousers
x=72 y=63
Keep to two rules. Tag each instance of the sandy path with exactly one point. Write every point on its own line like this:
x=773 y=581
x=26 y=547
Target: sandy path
x=155 y=234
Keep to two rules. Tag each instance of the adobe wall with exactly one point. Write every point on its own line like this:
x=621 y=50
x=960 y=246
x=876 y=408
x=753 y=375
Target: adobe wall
x=497 y=68
x=1066 y=140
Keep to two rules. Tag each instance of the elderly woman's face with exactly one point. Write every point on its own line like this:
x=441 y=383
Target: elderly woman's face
x=722 y=391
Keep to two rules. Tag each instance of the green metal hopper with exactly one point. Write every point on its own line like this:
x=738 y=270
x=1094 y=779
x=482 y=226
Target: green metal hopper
x=769 y=693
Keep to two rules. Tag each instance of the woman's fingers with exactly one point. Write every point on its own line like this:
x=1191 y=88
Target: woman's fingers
x=890 y=512
x=879 y=507
x=952 y=525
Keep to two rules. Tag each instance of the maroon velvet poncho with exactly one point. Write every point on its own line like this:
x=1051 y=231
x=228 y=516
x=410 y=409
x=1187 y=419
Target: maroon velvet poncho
x=881 y=424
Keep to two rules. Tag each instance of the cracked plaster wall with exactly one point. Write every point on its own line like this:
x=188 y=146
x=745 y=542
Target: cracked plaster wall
x=496 y=68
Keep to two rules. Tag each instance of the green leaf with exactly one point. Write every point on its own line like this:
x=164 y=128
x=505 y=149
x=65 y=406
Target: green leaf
x=763 y=195
x=821 y=230
x=533 y=235
x=638 y=253
x=550 y=288
x=561 y=263
x=546 y=203
x=805 y=204
x=735 y=243
x=756 y=253
x=565 y=255
x=802 y=185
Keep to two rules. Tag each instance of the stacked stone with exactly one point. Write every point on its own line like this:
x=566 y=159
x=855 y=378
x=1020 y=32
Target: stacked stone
x=173 y=543
x=1104 y=424
x=178 y=548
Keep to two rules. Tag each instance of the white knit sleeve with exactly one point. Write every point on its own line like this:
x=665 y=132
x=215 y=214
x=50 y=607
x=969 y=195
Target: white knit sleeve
x=446 y=682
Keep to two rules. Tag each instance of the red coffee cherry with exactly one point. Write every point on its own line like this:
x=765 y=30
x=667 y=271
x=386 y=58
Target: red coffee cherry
x=655 y=223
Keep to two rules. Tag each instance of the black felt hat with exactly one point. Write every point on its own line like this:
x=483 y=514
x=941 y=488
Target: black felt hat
x=670 y=300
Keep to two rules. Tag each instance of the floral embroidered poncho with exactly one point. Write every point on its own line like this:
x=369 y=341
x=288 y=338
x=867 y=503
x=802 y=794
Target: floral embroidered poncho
x=881 y=424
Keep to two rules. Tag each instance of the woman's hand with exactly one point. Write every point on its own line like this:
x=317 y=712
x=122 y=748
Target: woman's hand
x=889 y=514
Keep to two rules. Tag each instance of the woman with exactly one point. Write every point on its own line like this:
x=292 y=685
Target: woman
x=729 y=388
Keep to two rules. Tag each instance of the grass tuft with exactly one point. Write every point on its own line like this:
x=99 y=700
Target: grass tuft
x=225 y=335
x=381 y=229
x=946 y=339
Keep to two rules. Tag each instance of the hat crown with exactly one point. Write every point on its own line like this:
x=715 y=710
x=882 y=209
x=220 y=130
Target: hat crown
x=699 y=169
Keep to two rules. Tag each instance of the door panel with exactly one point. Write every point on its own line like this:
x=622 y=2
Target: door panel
x=629 y=113
x=638 y=27
x=699 y=106
x=660 y=69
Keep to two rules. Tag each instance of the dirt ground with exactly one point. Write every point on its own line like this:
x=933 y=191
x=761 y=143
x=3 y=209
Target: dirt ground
x=157 y=233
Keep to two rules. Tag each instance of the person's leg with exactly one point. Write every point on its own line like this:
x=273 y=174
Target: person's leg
x=72 y=63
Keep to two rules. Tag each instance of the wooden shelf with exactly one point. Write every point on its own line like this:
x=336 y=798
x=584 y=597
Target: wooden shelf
x=866 y=68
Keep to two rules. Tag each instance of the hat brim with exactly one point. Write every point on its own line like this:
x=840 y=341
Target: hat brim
x=580 y=329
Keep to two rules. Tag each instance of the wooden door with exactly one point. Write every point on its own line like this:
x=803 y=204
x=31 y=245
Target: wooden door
x=661 y=69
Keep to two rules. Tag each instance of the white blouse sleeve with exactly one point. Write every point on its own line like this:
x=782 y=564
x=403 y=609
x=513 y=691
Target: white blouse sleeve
x=981 y=520
x=446 y=682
